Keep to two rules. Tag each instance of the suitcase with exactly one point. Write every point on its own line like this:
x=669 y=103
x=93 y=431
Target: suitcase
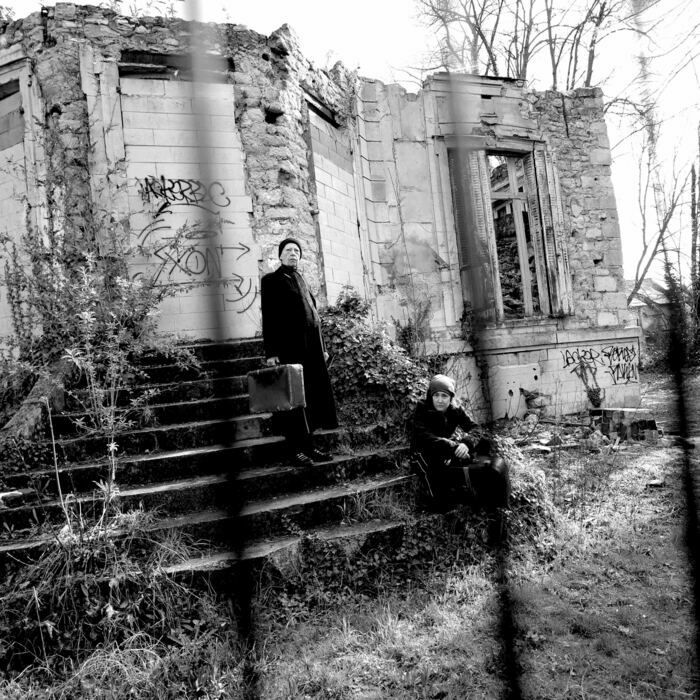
x=278 y=388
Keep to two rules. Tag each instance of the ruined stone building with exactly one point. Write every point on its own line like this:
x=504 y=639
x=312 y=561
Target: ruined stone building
x=474 y=202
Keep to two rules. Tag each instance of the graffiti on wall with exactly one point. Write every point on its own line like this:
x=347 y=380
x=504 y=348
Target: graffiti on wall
x=168 y=192
x=195 y=251
x=621 y=362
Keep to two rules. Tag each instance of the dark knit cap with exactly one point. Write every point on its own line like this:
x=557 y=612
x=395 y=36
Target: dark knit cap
x=441 y=382
x=285 y=242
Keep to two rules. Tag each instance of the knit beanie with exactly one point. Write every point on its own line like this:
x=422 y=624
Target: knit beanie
x=285 y=242
x=441 y=382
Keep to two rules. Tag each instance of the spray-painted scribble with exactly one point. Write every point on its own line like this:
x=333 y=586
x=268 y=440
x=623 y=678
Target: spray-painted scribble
x=578 y=357
x=621 y=362
x=189 y=250
x=168 y=192
x=243 y=293
x=584 y=363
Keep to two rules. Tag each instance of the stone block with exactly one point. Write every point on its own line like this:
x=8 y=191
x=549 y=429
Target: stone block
x=605 y=284
x=335 y=222
x=339 y=199
x=338 y=185
x=369 y=91
x=378 y=191
x=589 y=181
x=372 y=132
x=375 y=150
x=340 y=211
x=593 y=248
x=613 y=257
x=604 y=141
x=324 y=177
x=281 y=213
x=607 y=318
x=610 y=228
x=617 y=300
x=339 y=250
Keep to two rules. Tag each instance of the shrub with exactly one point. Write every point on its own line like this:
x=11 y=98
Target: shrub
x=373 y=378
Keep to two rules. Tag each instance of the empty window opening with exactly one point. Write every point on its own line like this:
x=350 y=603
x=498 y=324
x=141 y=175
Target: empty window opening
x=514 y=247
x=509 y=227
x=162 y=66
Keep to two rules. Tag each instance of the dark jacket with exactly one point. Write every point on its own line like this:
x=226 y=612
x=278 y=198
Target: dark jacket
x=433 y=430
x=292 y=332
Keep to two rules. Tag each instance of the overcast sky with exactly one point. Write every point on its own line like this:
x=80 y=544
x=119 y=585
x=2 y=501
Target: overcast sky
x=384 y=38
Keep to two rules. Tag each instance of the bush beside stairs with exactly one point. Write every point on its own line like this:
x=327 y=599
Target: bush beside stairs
x=201 y=456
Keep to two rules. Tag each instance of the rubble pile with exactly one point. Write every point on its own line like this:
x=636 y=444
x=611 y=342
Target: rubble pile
x=595 y=430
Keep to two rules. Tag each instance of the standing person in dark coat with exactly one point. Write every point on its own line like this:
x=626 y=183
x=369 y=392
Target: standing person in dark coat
x=456 y=468
x=292 y=335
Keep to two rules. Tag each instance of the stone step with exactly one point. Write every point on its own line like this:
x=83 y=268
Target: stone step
x=257 y=482
x=175 y=436
x=206 y=351
x=213 y=495
x=160 y=414
x=191 y=390
x=356 y=536
x=211 y=531
x=301 y=511
x=211 y=368
x=249 y=451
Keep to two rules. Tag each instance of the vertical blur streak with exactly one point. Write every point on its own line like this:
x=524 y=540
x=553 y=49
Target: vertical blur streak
x=240 y=583
x=476 y=275
x=678 y=360
x=506 y=624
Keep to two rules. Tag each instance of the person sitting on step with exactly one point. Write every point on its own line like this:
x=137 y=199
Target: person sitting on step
x=455 y=466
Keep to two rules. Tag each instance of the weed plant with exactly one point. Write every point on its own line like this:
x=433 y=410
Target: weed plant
x=98 y=585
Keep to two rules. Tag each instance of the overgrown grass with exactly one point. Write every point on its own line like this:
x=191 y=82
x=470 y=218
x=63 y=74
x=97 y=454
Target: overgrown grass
x=605 y=615
x=597 y=576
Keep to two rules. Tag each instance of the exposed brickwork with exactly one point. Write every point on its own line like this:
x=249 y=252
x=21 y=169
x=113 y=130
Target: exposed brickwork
x=574 y=126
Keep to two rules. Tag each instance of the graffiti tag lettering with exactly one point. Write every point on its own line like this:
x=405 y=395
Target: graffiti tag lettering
x=622 y=363
x=190 y=251
x=619 y=361
x=168 y=192
x=578 y=357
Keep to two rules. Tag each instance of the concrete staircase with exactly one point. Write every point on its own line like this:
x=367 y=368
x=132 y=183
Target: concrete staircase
x=203 y=465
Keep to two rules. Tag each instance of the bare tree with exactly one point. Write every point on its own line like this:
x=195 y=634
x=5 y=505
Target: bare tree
x=666 y=191
x=509 y=37
x=657 y=217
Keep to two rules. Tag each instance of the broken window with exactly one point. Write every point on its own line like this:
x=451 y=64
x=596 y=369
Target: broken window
x=510 y=233
x=514 y=246
x=161 y=66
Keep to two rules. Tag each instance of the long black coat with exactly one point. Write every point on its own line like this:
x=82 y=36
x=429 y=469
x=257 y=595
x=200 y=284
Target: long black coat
x=292 y=332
